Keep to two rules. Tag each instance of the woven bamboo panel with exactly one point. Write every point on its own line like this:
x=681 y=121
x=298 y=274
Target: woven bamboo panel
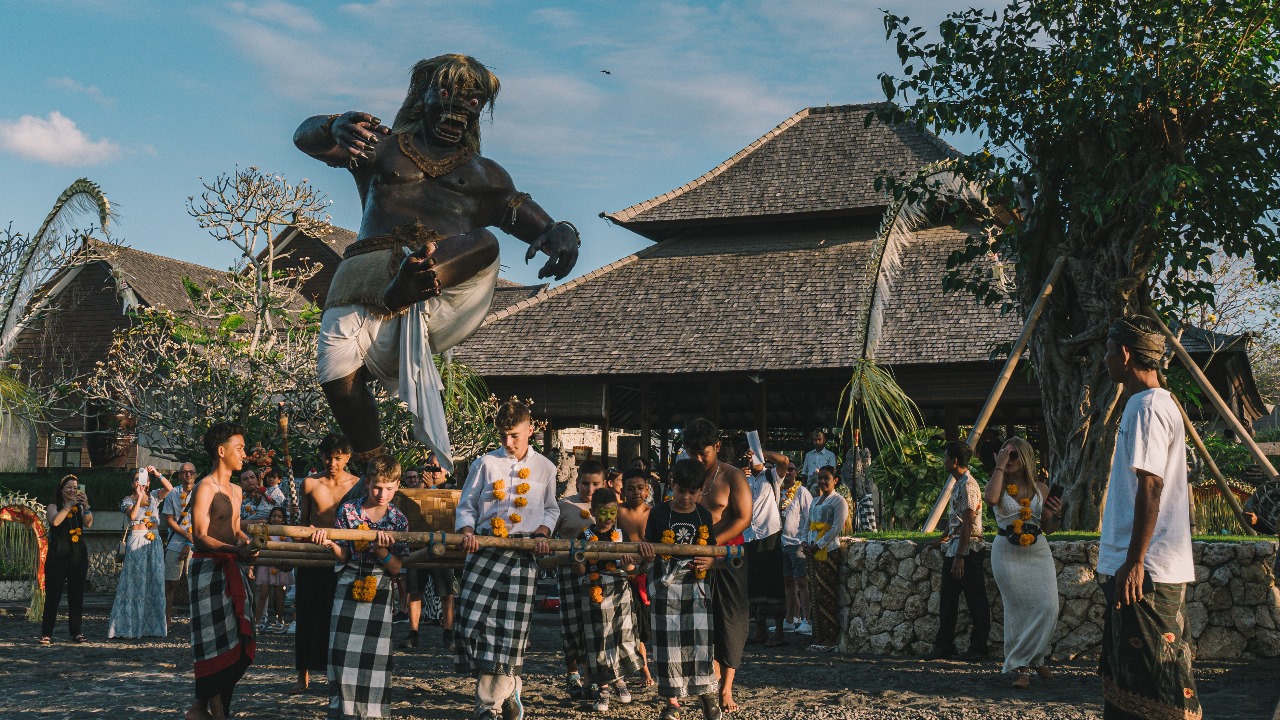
x=428 y=509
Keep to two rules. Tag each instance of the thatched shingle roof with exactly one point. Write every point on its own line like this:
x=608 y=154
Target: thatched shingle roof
x=157 y=280
x=741 y=301
x=822 y=161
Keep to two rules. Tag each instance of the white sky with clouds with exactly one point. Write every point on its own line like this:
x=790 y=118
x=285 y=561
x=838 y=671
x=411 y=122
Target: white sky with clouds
x=146 y=96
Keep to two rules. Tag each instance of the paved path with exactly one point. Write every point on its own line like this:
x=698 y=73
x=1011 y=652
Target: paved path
x=150 y=678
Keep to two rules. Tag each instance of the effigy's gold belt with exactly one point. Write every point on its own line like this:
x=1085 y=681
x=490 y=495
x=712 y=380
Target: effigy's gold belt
x=413 y=236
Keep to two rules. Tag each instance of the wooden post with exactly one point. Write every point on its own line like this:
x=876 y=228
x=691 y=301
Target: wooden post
x=1002 y=381
x=664 y=449
x=762 y=423
x=646 y=425
x=604 y=430
x=715 y=401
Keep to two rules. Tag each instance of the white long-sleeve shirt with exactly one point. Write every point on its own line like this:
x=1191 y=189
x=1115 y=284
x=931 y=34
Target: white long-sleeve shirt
x=477 y=505
x=815 y=460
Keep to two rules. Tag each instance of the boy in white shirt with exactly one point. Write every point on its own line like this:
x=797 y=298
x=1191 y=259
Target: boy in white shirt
x=510 y=492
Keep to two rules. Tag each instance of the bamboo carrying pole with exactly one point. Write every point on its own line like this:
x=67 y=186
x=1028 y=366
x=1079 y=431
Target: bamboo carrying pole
x=1006 y=374
x=578 y=556
x=454 y=540
x=1225 y=412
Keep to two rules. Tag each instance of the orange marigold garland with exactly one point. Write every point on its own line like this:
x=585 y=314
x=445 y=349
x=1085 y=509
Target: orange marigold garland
x=499 y=527
x=1024 y=514
x=364 y=589
x=669 y=538
x=586 y=514
x=75 y=535
x=361 y=545
x=704 y=533
x=597 y=589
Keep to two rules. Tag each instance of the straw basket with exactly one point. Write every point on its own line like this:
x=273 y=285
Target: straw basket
x=428 y=510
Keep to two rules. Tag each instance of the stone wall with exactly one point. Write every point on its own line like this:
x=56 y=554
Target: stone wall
x=889 y=600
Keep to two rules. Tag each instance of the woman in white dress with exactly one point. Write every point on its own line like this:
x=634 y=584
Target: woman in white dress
x=139 y=608
x=1020 y=559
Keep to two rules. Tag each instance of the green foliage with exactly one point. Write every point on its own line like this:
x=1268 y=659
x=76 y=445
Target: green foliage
x=910 y=475
x=1142 y=129
x=1231 y=458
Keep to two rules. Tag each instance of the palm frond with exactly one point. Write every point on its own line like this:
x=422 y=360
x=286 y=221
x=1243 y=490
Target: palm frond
x=21 y=281
x=874 y=398
x=903 y=217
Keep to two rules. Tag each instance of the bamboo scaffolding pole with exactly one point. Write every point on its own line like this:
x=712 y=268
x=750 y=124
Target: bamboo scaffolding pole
x=455 y=540
x=1225 y=412
x=279 y=547
x=1006 y=374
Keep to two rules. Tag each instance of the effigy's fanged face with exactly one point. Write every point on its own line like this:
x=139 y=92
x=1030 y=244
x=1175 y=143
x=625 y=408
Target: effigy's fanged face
x=451 y=111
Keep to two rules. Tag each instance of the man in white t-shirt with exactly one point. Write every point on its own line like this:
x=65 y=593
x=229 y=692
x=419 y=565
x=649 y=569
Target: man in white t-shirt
x=1145 y=550
x=817 y=458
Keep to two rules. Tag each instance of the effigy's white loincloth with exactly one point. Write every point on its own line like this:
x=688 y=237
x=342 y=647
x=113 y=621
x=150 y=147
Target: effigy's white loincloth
x=397 y=349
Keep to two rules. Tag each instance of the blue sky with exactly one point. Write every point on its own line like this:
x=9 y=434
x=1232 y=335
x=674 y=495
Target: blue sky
x=146 y=97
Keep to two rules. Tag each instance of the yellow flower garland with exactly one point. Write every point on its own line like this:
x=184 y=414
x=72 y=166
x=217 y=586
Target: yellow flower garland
x=586 y=514
x=791 y=495
x=75 y=535
x=668 y=537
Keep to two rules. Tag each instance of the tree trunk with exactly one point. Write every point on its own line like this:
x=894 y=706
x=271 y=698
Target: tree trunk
x=1082 y=407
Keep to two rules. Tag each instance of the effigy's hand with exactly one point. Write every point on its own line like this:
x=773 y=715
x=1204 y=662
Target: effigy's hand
x=561 y=244
x=357 y=133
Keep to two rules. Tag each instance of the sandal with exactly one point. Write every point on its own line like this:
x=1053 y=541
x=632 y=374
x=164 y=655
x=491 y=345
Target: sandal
x=46 y=640
x=1023 y=681
x=670 y=712
x=1044 y=672
x=80 y=638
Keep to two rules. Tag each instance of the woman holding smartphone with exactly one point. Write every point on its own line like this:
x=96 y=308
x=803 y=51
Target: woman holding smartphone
x=139 y=608
x=1023 y=567
x=67 y=565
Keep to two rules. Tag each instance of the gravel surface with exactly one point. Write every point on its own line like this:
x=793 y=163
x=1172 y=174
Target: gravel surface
x=151 y=678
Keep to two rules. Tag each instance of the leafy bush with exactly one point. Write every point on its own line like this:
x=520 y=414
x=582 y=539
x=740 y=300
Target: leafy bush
x=1231 y=458
x=910 y=475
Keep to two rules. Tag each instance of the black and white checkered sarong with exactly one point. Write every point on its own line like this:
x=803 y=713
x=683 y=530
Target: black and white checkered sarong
x=495 y=608
x=221 y=612
x=360 y=649
x=571 y=600
x=681 y=647
x=609 y=632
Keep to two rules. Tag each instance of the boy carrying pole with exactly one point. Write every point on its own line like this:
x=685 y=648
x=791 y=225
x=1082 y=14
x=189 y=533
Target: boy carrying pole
x=608 y=627
x=575 y=516
x=680 y=595
x=510 y=492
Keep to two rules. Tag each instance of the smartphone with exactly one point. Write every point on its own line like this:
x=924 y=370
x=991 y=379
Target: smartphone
x=1055 y=491
x=84 y=489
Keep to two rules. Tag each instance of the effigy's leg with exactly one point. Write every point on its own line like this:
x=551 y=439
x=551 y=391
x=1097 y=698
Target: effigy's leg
x=441 y=264
x=355 y=410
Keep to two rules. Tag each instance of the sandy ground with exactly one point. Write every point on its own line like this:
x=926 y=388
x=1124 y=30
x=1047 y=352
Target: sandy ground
x=151 y=679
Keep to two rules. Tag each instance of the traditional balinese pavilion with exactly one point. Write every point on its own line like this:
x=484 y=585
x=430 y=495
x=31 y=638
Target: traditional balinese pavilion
x=744 y=308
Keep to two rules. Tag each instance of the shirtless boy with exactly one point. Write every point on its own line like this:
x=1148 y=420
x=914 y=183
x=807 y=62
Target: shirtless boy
x=221 y=600
x=727 y=496
x=321 y=495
